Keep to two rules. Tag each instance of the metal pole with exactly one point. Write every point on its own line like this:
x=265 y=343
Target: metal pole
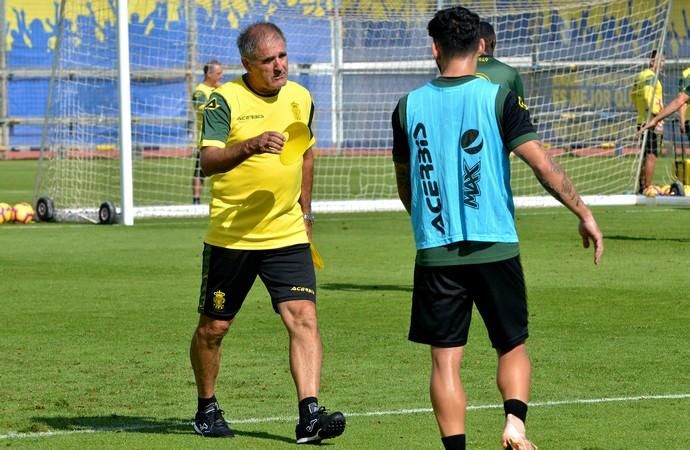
x=659 y=55
x=337 y=80
x=47 y=121
x=126 y=179
x=4 y=130
x=192 y=56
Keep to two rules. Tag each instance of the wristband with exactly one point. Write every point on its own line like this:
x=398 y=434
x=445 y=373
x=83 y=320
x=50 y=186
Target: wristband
x=309 y=217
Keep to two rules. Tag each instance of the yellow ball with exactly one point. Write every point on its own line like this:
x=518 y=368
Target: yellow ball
x=6 y=213
x=23 y=213
x=651 y=191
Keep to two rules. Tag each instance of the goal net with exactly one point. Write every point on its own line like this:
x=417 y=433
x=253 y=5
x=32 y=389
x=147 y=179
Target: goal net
x=577 y=62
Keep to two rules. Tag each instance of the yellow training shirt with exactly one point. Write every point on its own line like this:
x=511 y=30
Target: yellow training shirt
x=255 y=205
x=646 y=96
x=200 y=96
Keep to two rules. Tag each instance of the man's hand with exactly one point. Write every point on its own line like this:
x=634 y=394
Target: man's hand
x=646 y=126
x=267 y=142
x=589 y=230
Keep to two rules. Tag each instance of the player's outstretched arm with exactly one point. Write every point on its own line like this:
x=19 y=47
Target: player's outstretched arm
x=672 y=107
x=557 y=183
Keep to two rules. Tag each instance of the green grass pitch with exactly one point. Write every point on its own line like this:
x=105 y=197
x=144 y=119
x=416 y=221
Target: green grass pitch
x=96 y=320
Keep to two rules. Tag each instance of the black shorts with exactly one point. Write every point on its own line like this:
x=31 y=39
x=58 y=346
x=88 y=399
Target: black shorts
x=198 y=173
x=652 y=143
x=442 y=302
x=228 y=275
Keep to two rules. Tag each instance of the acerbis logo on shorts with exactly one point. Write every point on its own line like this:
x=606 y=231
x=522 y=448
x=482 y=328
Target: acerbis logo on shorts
x=302 y=289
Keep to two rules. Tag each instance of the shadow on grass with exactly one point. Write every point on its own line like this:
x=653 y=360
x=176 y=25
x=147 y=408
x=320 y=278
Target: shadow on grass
x=124 y=424
x=614 y=237
x=364 y=287
x=113 y=423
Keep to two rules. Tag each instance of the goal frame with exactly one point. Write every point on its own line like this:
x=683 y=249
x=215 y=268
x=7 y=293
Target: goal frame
x=338 y=68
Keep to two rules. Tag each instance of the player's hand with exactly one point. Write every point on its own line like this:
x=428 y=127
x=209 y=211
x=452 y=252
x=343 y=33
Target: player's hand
x=308 y=225
x=644 y=127
x=267 y=142
x=590 y=232
x=659 y=128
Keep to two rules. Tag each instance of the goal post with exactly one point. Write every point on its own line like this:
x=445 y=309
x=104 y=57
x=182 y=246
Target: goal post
x=577 y=62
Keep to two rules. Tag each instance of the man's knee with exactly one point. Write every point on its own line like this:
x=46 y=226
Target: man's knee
x=298 y=314
x=212 y=330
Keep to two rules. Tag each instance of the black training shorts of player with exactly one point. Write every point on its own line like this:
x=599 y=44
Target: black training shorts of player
x=443 y=296
x=652 y=143
x=227 y=275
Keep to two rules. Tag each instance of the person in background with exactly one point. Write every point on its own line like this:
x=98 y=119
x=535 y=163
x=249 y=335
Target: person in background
x=213 y=77
x=494 y=70
x=647 y=96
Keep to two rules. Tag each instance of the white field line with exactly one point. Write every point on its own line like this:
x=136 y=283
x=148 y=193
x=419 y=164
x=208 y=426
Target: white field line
x=398 y=412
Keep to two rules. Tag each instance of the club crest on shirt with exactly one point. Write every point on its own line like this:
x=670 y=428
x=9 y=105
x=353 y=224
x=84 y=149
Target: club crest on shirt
x=296 y=113
x=218 y=300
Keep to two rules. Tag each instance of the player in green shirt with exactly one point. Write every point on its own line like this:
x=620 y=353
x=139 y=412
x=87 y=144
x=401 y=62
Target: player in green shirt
x=494 y=70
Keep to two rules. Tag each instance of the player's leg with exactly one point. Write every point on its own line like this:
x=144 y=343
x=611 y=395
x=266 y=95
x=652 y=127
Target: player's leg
x=441 y=315
x=223 y=290
x=502 y=303
x=446 y=390
x=299 y=318
x=205 y=351
x=649 y=167
x=288 y=274
x=513 y=378
x=197 y=180
x=649 y=161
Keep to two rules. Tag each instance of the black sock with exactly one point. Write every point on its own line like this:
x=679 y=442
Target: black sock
x=454 y=442
x=307 y=406
x=516 y=407
x=204 y=402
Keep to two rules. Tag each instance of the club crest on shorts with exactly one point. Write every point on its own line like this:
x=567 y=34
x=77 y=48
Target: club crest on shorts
x=218 y=300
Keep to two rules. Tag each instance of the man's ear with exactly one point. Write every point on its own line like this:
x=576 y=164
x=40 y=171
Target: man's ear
x=245 y=63
x=482 y=46
x=435 y=52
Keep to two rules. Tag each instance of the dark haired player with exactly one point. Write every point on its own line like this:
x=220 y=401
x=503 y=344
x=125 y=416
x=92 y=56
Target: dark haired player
x=451 y=141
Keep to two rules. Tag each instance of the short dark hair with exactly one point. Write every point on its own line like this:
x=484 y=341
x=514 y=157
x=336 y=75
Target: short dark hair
x=249 y=38
x=208 y=65
x=486 y=31
x=455 y=30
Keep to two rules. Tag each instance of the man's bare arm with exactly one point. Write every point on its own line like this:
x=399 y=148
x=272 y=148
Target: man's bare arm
x=307 y=186
x=402 y=178
x=218 y=160
x=557 y=183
